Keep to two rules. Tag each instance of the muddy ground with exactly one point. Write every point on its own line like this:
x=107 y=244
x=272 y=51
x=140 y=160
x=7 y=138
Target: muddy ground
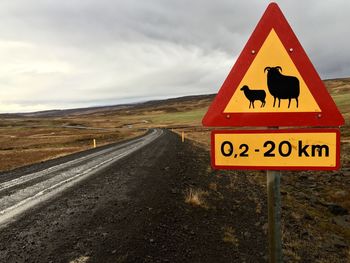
x=161 y=204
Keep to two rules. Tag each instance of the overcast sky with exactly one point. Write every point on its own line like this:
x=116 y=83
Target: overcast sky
x=79 y=53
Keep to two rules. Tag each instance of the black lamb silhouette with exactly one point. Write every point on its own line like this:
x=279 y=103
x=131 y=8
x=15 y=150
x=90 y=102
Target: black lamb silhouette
x=253 y=95
x=281 y=86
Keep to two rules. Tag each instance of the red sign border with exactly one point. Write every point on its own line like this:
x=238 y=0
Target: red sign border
x=273 y=18
x=291 y=168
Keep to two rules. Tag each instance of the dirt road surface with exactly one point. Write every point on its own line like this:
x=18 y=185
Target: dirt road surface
x=161 y=203
x=25 y=191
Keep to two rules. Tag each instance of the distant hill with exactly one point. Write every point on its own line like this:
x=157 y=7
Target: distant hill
x=155 y=104
x=61 y=113
x=338 y=88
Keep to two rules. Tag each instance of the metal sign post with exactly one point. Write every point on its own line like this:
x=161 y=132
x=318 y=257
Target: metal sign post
x=274 y=216
x=273 y=181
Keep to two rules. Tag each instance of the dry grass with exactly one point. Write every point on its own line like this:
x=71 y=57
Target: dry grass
x=199 y=135
x=213 y=186
x=258 y=208
x=82 y=259
x=324 y=186
x=230 y=236
x=17 y=158
x=26 y=141
x=196 y=197
x=122 y=258
x=291 y=251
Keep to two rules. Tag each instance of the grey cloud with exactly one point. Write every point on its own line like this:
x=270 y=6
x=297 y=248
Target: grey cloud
x=70 y=51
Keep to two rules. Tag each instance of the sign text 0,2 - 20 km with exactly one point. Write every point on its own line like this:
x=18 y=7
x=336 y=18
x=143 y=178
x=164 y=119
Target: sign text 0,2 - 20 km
x=284 y=149
x=277 y=149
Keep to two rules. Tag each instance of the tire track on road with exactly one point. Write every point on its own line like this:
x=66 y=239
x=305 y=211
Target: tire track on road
x=54 y=180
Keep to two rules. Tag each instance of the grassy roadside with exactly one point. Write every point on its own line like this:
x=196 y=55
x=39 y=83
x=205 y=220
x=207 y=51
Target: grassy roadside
x=28 y=141
x=314 y=205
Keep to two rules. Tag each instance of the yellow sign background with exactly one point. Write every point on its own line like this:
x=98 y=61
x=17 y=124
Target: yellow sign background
x=271 y=54
x=257 y=140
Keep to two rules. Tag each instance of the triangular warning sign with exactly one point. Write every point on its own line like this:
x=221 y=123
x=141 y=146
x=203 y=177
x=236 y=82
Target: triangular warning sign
x=273 y=83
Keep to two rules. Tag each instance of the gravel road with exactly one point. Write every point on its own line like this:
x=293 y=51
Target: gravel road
x=132 y=209
x=22 y=193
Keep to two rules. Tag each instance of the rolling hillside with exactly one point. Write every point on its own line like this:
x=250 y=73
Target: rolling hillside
x=32 y=137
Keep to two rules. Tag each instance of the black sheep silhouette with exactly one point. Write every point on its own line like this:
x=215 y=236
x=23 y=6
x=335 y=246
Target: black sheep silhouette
x=281 y=86
x=253 y=95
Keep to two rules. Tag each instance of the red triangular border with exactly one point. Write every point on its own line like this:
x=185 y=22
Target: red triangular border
x=273 y=18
